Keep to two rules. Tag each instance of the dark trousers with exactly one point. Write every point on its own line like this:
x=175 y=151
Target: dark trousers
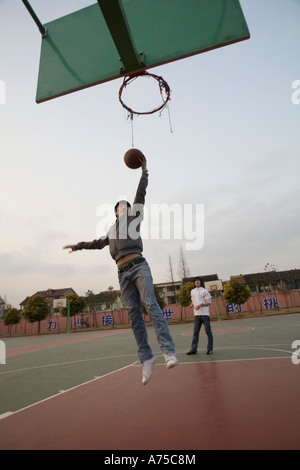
x=198 y=320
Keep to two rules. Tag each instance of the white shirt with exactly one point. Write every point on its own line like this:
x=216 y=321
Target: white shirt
x=199 y=295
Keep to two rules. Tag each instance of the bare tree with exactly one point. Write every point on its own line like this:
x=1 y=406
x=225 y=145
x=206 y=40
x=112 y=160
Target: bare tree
x=171 y=275
x=183 y=269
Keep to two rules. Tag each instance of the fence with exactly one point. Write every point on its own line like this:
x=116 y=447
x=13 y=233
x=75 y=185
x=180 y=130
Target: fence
x=263 y=303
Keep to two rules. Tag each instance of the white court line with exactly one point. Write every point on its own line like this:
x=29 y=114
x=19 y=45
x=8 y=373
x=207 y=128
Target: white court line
x=234 y=360
x=5 y=415
x=67 y=363
x=9 y=413
x=158 y=354
x=257 y=348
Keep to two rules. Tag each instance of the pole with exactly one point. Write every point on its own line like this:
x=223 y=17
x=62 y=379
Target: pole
x=219 y=317
x=42 y=29
x=68 y=307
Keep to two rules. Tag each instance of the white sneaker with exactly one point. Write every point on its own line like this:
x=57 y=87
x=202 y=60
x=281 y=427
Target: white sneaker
x=147 y=369
x=171 y=360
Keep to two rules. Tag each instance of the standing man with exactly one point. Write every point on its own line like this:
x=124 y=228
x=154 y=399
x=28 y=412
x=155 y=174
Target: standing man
x=136 y=283
x=201 y=300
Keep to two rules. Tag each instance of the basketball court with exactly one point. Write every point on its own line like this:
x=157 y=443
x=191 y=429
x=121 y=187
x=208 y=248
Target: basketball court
x=84 y=391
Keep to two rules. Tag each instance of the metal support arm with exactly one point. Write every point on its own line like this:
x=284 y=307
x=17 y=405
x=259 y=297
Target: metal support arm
x=43 y=30
x=120 y=32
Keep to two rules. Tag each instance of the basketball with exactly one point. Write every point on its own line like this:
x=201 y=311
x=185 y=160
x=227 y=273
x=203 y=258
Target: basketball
x=132 y=158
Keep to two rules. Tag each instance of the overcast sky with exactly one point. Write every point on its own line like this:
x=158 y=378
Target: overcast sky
x=229 y=153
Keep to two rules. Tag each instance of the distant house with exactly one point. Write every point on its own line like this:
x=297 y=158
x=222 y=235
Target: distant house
x=270 y=281
x=106 y=300
x=205 y=278
x=2 y=307
x=51 y=294
x=169 y=291
x=111 y=299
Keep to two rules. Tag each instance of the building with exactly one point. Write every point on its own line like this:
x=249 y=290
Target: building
x=3 y=307
x=205 y=278
x=107 y=300
x=168 y=291
x=111 y=299
x=270 y=281
x=50 y=294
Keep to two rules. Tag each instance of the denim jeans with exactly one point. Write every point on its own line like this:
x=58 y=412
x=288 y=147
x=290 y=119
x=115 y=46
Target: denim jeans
x=198 y=320
x=136 y=286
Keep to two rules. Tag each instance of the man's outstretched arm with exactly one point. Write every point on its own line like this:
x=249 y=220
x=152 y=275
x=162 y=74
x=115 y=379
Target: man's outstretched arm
x=94 y=245
x=141 y=190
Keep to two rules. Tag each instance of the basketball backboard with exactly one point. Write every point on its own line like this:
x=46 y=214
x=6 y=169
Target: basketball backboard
x=214 y=286
x=59 y=303
x=113 y=38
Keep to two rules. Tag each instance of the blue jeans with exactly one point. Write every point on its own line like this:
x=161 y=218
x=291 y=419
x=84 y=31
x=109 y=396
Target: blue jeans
x=136 y=286
x=198 y=320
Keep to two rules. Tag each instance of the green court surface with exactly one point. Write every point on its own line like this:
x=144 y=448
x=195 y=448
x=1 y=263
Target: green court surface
x=250 y=355
x=40 y=366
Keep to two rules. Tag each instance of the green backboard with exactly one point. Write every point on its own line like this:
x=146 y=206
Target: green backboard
x=113 y=38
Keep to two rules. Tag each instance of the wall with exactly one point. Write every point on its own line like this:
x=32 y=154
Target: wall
x=263 y=303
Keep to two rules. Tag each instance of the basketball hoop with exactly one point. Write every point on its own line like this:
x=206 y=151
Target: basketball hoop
x=165 y=94
x=164 y=89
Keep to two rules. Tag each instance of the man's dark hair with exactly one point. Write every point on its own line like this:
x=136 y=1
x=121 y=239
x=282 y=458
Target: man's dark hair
x=199 y=279
x=118 y=203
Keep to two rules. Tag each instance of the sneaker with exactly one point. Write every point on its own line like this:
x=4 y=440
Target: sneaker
x=147 y=369
x=191 y=352
x=209 y=351
x=171 y=360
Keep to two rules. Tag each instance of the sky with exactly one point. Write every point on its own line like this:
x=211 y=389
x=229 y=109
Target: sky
x=224 y=155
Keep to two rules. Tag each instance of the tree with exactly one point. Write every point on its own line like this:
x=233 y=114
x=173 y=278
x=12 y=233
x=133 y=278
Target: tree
x=77 y=305
x=159 y=298
x=271 y=279
x=184 y=295
x=236 y=293
x=91 y=302
x=171 y=275
x=183 y=269
x=12 y=317
x=36 y=309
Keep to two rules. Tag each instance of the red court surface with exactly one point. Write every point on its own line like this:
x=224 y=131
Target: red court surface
x=61 y=341
x=234 y=404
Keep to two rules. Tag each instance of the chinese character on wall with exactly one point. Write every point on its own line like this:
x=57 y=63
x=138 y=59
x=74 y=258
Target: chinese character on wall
x=168 y=314
x=107 y=320
x=51 y=325
x=271 y=303
x=232 y=308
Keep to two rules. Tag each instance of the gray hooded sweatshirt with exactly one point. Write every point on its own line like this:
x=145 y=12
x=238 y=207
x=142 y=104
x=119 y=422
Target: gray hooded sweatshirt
x=123 y=237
